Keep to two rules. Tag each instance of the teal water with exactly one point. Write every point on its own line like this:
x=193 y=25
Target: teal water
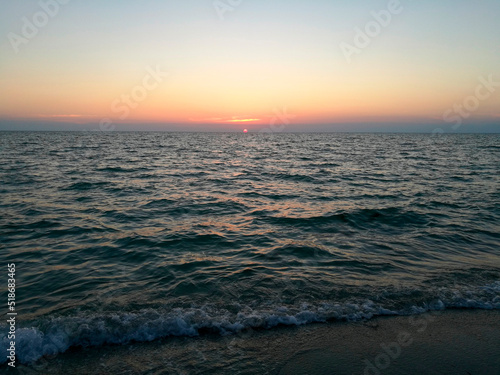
x=123 y=237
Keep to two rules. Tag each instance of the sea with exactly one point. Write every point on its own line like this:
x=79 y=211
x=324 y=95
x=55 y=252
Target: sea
x=128 y=237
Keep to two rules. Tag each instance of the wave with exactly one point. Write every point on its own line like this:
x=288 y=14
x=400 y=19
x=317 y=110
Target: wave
x=393 y=216
x=55 y=335
x=85 y=185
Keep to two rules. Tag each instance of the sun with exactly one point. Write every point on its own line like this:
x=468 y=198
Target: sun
x=245 y=131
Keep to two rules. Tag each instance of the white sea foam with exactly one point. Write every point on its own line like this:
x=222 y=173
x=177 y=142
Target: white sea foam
x=56 y=335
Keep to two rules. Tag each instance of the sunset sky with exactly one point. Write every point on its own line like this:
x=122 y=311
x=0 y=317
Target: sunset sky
x=203 y=65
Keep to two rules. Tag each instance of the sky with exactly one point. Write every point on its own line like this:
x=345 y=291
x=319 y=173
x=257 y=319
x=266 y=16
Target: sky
x=229 y=65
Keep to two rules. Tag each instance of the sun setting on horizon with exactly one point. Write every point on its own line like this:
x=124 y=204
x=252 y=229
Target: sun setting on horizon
x=250 y=187
x=330 y=62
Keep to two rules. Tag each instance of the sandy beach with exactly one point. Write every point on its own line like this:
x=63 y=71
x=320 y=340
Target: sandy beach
x=249 y=187
x=450 y=342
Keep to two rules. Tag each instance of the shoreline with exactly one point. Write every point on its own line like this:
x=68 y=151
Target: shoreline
x=448 y=342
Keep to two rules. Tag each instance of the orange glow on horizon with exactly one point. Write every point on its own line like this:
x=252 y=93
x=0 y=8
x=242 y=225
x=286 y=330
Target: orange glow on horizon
x=245 y=120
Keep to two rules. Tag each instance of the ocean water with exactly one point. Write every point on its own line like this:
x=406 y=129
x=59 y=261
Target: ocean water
x=131 y=237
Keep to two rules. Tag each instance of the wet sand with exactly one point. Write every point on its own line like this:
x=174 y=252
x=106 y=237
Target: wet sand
x=451 y=342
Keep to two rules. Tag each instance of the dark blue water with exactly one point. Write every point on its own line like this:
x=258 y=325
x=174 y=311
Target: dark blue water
x=121 y=237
